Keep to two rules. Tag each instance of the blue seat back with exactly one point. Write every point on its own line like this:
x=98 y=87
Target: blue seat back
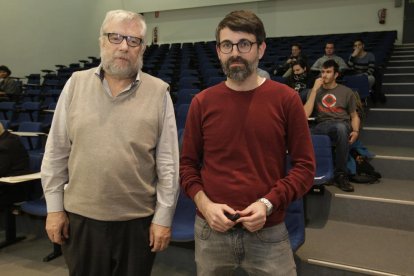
x=214 y=80
x=184 y=219
x=184 y=96
x=358 y=83
x=181 y=115
x=279 y=79
x=35 y=207
x=5 y=123
x=35 y=141
x=295 y=217
x=7 y=110
x=29 y=112
x=324 y=162
x=295 y=223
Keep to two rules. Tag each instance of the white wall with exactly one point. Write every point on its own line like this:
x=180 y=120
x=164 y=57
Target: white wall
x=163 y=5
x=281 y=18
x=37 y=34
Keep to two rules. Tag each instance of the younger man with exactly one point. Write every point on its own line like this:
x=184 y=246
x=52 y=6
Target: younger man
x=233 y=159
x=336 y=116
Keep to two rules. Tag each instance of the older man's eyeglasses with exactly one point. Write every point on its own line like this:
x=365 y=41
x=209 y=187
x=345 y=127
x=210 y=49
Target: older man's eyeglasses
x=243 y=46
x=132 y=41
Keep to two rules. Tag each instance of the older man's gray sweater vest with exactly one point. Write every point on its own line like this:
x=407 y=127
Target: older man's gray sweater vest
x=112 y=170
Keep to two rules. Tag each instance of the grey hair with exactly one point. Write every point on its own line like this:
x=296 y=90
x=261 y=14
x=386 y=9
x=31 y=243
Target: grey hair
x=122 y=15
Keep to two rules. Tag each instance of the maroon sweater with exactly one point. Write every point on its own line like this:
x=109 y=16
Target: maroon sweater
x=235 y=144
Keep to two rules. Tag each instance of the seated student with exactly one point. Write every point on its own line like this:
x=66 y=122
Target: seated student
x=363 y=62
x=329 y=54
x=301 y=80
x=336 y=116
x=295 y=55
x=8 y=86
x=14 y=160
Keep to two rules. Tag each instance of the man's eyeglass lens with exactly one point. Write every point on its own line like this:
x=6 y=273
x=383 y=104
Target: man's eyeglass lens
x=243 y=46
x=132 y=41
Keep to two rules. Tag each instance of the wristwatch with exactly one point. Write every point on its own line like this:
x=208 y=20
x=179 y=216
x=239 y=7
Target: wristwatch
x=269 y=205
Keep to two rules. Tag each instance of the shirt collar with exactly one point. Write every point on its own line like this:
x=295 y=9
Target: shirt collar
x=100 y=73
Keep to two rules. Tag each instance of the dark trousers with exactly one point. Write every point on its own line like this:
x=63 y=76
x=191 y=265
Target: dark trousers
x=339 y=132
x=108 y=248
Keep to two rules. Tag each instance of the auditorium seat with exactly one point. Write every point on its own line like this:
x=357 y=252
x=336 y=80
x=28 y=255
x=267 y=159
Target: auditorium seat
x=31 y=143
x=28 y=112
x=295 y=223
x=181 y=115
x=324 y=161
x=358 y=83
x=183 y=221
x=184 y=96
x=5 y=123
x=7 y=110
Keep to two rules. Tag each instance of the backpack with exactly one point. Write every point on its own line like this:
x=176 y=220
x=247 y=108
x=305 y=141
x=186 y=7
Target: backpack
x=365 y=172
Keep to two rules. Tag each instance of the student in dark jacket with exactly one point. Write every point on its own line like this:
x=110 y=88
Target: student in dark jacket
x=14 y=160
x=302 y=79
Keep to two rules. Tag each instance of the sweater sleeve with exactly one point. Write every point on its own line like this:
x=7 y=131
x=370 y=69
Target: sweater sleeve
x=191 y=155
x=299 y=179
x=317 y=65
x=351 y=62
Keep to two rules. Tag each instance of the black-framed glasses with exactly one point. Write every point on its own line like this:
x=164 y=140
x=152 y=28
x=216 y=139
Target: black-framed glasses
x=132 y=41
x=243 y=46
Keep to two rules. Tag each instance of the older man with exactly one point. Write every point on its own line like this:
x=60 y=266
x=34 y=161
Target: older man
x=110 y=171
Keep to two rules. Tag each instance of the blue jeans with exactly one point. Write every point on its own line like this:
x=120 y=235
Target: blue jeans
x=265 y=252
x=339 y=132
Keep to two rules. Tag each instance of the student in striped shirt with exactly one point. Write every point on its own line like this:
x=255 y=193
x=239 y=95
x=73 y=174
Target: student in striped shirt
x=362 y=62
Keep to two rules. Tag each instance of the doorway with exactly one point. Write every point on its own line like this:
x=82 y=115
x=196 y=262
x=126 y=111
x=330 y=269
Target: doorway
x=408 y=27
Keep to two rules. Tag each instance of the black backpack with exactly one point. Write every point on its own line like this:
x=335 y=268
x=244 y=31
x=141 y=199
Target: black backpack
x=365 y=172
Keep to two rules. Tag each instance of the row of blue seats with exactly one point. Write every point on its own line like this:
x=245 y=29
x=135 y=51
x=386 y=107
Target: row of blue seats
x=195 y=65
x=17 y=114
x=189 y=89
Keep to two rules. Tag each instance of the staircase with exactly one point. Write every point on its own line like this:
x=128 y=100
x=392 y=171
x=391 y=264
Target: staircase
x=371 y=231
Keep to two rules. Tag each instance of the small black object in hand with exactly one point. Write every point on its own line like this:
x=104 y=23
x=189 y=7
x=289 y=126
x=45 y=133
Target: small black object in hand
x=232 y=217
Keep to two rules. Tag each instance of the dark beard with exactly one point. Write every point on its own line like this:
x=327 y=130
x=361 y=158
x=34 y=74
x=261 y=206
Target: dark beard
x=238 y=73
